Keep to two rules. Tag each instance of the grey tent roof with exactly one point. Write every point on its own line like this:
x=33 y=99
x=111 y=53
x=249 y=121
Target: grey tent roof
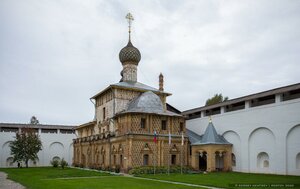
x=148 y=102
x=193 y=137
x=210 y=136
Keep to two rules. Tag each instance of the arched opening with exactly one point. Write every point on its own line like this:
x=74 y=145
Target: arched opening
x=146 y=159
x=203 y=161
x=219 y=158
x=173 y=159
x=298 y=161
x=233 y=160
x=262 y=160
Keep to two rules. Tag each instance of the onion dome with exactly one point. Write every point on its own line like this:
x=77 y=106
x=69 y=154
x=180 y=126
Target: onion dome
x=130 y=54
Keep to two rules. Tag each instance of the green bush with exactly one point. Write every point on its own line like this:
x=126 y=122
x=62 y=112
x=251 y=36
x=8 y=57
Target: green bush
x=63 y=163
x=54 y=163
x=158 y=170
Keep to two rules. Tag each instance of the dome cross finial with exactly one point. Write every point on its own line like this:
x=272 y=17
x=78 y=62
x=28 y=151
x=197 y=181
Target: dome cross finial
x=129 y=18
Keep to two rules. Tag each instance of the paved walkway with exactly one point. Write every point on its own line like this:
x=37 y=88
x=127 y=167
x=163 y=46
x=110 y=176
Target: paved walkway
x=8 y=184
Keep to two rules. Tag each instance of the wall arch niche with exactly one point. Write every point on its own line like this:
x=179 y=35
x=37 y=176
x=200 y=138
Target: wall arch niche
x=5 y=153
x=293 y=151
x=56 y=149
x=235 y=139
x=261 y=151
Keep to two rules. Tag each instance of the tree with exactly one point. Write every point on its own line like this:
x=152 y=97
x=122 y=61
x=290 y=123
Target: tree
x=216 y=99
x=34 y=120
x=26 y=146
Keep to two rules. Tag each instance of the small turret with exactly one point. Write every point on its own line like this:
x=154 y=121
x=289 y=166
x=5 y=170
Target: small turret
x=161 y=82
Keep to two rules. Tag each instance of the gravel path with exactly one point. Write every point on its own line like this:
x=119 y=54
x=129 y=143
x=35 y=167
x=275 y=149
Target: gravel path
x=8 y=184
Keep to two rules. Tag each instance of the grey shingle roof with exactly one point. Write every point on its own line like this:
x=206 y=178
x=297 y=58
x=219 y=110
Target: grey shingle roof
x=132 y=85
x=210 y=136
x=193 y=137
x=148 y=102
x=136 y=85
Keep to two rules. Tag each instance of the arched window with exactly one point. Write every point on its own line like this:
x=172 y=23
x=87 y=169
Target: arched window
x=233 y=160
x=298 y=161
x=146 y=160
x=263 y=160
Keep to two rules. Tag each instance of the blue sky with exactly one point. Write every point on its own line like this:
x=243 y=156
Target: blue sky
x=55 y=55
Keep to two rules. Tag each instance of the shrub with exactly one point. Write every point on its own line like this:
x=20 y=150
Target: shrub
x=54 y=163
x=159 y=170
x=63 y=163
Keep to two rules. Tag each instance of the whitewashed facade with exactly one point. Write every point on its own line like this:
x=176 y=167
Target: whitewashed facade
x=264 y=129
x=57 y=141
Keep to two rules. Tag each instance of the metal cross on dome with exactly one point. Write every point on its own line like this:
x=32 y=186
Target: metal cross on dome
x=129 y=18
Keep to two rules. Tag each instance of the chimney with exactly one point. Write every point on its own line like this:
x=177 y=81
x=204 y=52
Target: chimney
x=161 y=82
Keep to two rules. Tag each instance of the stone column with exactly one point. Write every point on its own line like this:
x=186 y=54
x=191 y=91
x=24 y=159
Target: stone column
x=195 y=159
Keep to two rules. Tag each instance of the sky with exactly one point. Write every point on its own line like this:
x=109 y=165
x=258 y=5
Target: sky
x=55 y=55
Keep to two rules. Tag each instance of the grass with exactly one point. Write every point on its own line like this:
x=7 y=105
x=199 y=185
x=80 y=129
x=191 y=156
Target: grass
x=50 y=178
x=227 y=179
x=69 y=178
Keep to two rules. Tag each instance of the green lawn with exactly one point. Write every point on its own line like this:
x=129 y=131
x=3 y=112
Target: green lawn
x=50 y=178
x=226 y=179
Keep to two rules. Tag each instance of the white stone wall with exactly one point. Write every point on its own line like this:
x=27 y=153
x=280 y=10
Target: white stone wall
x=272 y=129
x=54 y=145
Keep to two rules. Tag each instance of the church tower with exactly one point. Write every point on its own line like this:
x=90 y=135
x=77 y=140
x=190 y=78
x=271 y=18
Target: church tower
x=130 y=57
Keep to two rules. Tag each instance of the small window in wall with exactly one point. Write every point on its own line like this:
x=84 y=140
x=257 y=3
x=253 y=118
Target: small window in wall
x=263 y=160
x=235 y=107
x=294 y=94
x=233 y=160
x=181 y=127
x=213 y=111
x=8 y=129
x=49 y=130
x=194 y=115
x=163 y=125
x=146 y=160
x=104 y=116
x=143 y=123
x=173 y=159
x=263 y=101
x=298 y=161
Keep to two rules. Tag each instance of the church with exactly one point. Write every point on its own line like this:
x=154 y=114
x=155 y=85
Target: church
x=133 y=125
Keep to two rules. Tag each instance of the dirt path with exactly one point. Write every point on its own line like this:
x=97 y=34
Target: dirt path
x=8 y=184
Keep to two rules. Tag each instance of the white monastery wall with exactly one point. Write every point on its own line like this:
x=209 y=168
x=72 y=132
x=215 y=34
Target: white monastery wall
x=265 y=138
x=54 y=145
